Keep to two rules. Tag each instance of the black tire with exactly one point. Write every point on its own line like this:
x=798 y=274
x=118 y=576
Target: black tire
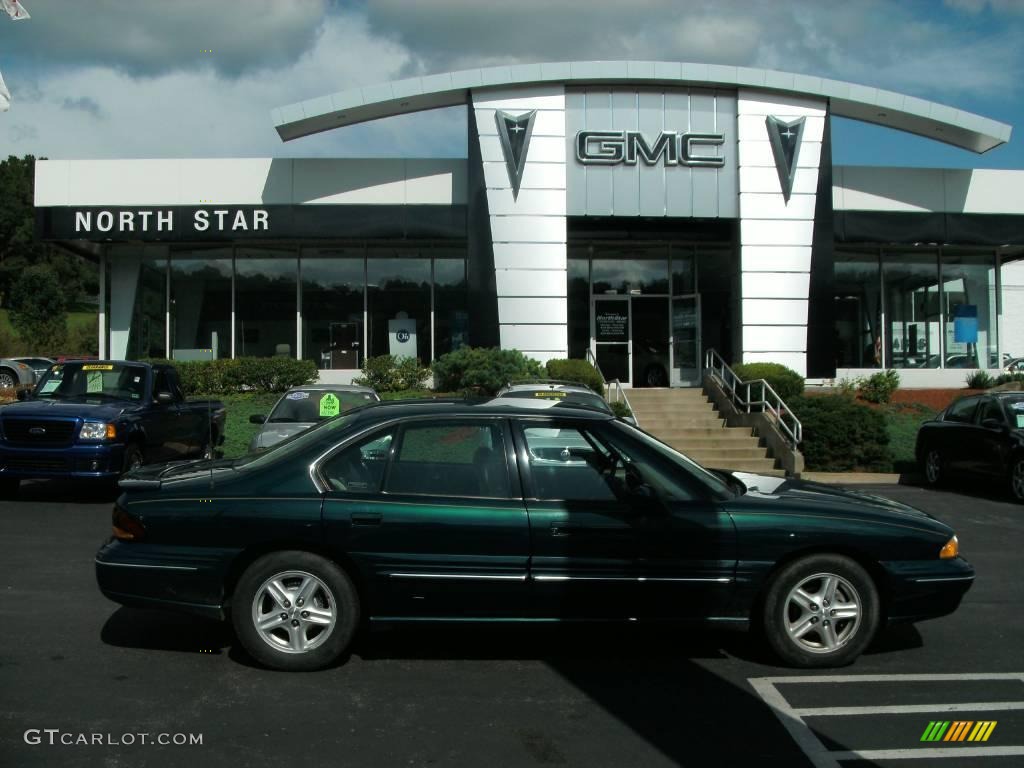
x=1017 y=478
x=8 y=379
x=933 y=467
x=132 y=459
x=655 y=376
x=9 y=487
x=335 y=594
x=784 y=609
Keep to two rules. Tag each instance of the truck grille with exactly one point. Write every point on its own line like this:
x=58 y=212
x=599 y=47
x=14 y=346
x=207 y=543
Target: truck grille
x=38 y=431
x=34 y=464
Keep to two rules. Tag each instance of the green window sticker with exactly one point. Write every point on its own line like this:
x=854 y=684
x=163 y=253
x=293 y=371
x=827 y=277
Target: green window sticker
x=330 y=406
x=94 y=382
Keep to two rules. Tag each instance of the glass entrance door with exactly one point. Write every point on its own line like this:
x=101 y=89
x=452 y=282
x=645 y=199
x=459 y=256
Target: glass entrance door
x=686 y=351
x=612 y=331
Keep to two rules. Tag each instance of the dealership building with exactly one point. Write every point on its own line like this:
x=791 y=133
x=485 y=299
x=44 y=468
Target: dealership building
x=639 y=212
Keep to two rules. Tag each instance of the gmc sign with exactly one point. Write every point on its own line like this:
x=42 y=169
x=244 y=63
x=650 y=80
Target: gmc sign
x=627 y=147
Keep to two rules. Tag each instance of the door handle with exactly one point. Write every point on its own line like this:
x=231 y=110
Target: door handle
x=367 y=518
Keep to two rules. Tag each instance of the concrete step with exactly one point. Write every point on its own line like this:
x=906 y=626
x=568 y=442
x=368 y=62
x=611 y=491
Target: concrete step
x=673 y=411
x=690 y=433
x=760 y=466
x=717 y=455
x=716 y=442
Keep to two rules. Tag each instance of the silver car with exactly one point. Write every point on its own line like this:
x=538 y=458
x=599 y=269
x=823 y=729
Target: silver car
x=15 y=374
x=302 y=407
x=38 y=364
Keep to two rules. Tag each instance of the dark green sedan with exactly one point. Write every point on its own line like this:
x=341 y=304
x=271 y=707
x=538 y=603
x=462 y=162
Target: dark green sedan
x=515 y=510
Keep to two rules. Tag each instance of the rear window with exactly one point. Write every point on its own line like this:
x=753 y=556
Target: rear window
x=962 y=411
x=309 y=406
x=560 y=395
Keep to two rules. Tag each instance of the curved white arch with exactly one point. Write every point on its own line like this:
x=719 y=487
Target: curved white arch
x=873 y=105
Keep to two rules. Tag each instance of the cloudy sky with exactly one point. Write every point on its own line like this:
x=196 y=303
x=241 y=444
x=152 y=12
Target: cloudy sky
x=198 y=78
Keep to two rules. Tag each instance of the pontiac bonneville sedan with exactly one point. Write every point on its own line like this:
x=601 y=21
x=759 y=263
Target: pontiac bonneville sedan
x=515 y=510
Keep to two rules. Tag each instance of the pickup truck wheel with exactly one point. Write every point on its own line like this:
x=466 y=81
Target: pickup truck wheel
x=8 y=378
x=821 y=611
x=295 y=611
x=1017 y=478
x=133 y=458
x=9 y=487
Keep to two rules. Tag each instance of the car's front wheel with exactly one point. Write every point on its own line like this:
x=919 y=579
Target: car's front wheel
x=1017 y=478
x=821 y=611
x=295 y=611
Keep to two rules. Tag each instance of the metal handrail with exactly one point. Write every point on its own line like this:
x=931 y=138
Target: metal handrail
x=740 y=392
x=613 y=390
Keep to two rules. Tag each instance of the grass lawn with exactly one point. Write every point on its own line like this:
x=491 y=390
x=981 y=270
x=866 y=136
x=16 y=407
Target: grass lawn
x=238 y=431
x=902 y=422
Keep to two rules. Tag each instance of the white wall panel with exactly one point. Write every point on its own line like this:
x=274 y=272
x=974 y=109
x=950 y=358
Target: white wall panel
x=776 y=285
x=776 y=258
x=529 y=256
x=760 y=205
x=135 y=183
x=784 y=106
x=795 y=360
x=532 y=310
x=766 y=180
x=775 y=338
x=759 y=153
x=522 y=99
x=545 y=123
x=51 y=182
x=531 y=282
x=536 y=176
x=543 y=149
x=774 y=312
x=528 y=229
x=752 y=128
x=554 y=338
x=533 y=202
x=769 y=232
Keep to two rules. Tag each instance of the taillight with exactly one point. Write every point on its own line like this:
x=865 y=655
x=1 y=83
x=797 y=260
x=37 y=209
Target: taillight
x=126 y=527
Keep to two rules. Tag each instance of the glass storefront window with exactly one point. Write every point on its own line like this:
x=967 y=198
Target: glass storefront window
x=969 y=306
x=630 y=270
x=200 y=303
x=578 y=302
x=265 y=302
x=683 y=272
x=451 y=315
x=398 y=304
x=912 y=309
x=332 y=307
x=858 y=311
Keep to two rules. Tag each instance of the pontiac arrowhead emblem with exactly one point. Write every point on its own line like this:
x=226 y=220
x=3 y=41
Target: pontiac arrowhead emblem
x=785 y=141
x=514 y=133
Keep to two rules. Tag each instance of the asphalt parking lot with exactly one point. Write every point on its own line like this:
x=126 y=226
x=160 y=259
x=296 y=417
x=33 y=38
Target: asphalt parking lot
x=598 y=696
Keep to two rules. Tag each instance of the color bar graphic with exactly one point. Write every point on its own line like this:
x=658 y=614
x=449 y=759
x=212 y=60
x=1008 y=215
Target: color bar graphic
x=958 y=730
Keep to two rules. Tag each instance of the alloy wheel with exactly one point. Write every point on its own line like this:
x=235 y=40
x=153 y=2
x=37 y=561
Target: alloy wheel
x=7 y=381
x=822 y=613
x=933 y=467
x=1017 y=479
x=294 y=612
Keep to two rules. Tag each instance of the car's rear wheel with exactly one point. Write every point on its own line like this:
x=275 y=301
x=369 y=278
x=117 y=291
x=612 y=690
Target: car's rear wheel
x=1017 y=478
x=934 y=467
x=8 y=378
x=821 y=611
x=295 y=611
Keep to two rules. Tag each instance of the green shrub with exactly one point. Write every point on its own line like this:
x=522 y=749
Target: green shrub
x=842 y=435
x=388 y=373
x=243 y=374
x=980 y=380
x=39 y=309
x=1005 y=378
x=576 y=370
x=878 y=387
x=482 y=370
x=785 y=381
x=620 y=409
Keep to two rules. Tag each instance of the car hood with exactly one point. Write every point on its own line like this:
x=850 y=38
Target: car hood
x=806 y=496
x=272 y=434
x=99 y=409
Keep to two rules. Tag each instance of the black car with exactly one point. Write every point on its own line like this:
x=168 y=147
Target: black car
x=981 y=435
x=515 y=511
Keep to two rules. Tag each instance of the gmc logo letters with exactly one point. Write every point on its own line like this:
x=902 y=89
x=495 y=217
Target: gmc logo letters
x=626 y=147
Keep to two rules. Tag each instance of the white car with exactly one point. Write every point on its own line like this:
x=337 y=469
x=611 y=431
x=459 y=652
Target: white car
x=15 y=374
x=301 y=407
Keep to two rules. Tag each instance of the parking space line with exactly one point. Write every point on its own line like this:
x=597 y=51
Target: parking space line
x=820 y=756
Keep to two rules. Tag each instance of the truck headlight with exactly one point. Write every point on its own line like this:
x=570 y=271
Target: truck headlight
x=97 y=430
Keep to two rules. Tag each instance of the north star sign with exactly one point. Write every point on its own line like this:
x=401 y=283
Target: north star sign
x=213 y=220
x=627 y=147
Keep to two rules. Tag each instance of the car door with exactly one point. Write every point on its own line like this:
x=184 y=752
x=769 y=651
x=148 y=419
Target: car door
x=958 y=439
x=993 y=443
x=174 y=432
x=433 y=519
x=611 y=537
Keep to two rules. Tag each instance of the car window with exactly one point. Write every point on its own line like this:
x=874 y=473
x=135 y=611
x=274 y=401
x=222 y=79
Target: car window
x=562 y=396
x=1015 y=407
x=359 y=468
x=450 y=459
x=566 y=465
x=309 y=406
x=962 y=411
x=116 y=380
x=990 y=409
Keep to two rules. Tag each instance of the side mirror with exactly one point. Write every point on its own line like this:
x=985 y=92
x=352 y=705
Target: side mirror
x=257 y=418
x=164 y=398
x=22 y=394
x=992 y=424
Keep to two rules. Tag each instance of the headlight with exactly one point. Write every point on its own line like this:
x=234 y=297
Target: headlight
x=97 y=430
x=950 y=550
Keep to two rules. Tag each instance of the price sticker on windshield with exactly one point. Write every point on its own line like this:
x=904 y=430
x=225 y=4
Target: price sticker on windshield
x=94 y=382
x=94 y=367
x=330 y=406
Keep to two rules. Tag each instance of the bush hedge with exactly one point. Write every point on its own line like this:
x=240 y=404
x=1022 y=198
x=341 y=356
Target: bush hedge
x=842 y=435
x=576 y=370
x=482 y=370
x=980 y=380
x=878 y=387
x=243 y=374
x=786 y=382
x=388 y=373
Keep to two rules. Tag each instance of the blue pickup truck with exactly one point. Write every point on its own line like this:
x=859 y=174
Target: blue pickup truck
x=97 y=419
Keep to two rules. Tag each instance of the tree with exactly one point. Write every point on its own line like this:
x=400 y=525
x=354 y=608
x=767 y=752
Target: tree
x=39 y=309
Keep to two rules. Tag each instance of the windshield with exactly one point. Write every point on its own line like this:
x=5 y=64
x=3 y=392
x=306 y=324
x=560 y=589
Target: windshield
x=560 y=395
x=718 y=487
x=295 y=444
x=311 y=405
x=1015 y=409
x=120 y=381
